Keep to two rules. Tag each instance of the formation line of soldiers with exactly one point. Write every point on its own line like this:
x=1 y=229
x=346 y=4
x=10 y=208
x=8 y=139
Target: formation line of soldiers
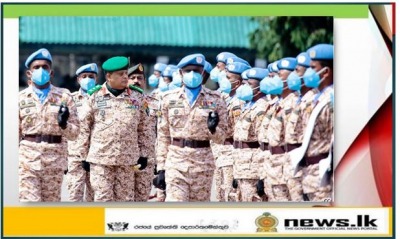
x=264 y=135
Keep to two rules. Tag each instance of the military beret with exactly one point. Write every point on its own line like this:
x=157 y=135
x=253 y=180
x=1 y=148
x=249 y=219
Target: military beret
x=41 y=54
x=287 y=63
x=269 y=67
x=274 y=66
x=257 y=73
x=208 y=67
x=303 y=59
x=321 y=52
x=169 y=70
x=221 y=57
x=92 y=67
x=237 y=67
x=116 y=63
x=160 y=67
x=193 y=59
x=244 y=74
x=138 y=69
x=236 y=59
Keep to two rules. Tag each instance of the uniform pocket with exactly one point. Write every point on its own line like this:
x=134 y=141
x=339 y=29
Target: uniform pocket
x=176 y=117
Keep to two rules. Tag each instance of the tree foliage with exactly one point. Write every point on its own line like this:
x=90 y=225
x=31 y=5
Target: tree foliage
x=278 y=37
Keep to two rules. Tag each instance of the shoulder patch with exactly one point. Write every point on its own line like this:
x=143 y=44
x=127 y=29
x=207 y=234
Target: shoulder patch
x=96 y=88
x=132 y=87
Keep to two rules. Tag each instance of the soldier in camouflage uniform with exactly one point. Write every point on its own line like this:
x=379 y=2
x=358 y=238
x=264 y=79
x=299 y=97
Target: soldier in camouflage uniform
x=78 y=177
x=143 y=178
x=246 y=164
x=47 y=119
x=191 y=116
x=320 y=75
x=115 y=126
x=224 y=163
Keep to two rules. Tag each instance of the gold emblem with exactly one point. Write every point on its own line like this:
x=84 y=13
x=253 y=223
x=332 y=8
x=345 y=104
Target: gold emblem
x=29 y=119
x=140 y=67
x=266 y=223
x=312 y=54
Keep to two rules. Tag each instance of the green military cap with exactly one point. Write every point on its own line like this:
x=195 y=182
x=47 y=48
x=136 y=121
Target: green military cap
x=116 y=63
x=138 y=69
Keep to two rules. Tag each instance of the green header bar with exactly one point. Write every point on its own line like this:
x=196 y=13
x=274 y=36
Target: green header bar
x=335 y=10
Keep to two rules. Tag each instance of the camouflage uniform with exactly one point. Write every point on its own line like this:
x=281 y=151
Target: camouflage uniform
x=264 y=154
x=189 y=171
x=42 y=164
x=294 y=134
x=279 y=158
x=144 y=178
x=77 y=177
x=224 y=163
x=115 y=136
x=320 y=144
x=246 y=164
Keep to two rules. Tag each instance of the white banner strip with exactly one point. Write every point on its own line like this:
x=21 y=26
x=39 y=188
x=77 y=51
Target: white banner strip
x=249 y=221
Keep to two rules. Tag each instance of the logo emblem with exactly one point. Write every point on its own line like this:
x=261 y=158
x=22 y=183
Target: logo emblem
x=231 y=67
x=275 y=66
x=199 y=59
x=301 y=59
x=221 y=56
x=266 y=223
x=285 y=63
x=45 y=53
x=117 y=226
x=230 y=60
x=312 y=54
x=140 y=67
x=92 y=67
x=252 y=72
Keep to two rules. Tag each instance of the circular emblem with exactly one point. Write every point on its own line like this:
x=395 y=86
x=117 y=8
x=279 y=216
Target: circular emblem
x=166 y=72
x=176 y=112
x=231 y=67
x=285 y=63
x=45 y=53
x=23 y=102
x=156 y=66
x=92 y=67
x=252 y=72
x=266 y=223
x=230 y=60
x=312 y=54
x=29 y=119
x=199 y=59
x=301 y=59
x=275 y=66
x=220 y=56
x=27 y=110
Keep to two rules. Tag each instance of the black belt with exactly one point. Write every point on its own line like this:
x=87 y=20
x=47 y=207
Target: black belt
x=245 y=145
x=290 y=147
x=43 y=138
x=228 y=141
x=190 y=143
x=264 y=146
x=314 y=159
x=277 y=150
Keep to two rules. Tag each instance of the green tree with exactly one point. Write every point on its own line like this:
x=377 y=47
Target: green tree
x=278 y=37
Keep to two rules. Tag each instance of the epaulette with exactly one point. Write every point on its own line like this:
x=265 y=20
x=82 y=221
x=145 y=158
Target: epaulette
x=132 y=87
x=96 y=88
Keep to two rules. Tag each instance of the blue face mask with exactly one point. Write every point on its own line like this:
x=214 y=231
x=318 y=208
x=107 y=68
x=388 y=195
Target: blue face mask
x=40 y=76
x=245 y=92
x=214 y=74
x=294 y=81
x=192 y=79
x=163 y=86
x=87 y=83
x=332 y=98
x=225 y=85
x=311 y=78
x=273 y=86
x=153 y=81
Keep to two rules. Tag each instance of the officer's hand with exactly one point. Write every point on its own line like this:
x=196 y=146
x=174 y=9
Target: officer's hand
x=86 y=166
x=143 y=163
x=62 y=117
x=212 y=121
x=260 y=188
x=155 y=170
x=160 y=182
x=234 y=183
